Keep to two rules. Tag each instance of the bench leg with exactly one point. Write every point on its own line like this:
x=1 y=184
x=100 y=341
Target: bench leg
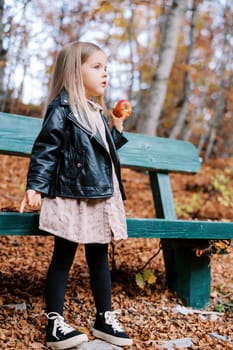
x=187 y=275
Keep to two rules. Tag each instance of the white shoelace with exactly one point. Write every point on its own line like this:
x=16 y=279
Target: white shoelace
x=59 y=323
x=110 y=319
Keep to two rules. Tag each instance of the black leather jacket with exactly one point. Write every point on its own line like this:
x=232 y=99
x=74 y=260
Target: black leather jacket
x=66 y=161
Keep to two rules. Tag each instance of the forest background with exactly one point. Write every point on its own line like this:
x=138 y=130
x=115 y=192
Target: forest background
x=172 y=59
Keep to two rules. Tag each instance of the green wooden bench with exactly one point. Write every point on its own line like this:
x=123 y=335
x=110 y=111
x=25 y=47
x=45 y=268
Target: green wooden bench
x=187 y=275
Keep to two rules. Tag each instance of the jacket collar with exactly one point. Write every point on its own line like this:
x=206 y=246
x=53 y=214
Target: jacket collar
x=64 y=99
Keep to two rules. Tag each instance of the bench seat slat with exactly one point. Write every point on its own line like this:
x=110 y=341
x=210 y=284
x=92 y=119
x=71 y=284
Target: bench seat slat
x=185 y=229
x=13 y=223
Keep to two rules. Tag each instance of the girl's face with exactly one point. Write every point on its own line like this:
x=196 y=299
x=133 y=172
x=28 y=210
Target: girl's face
x=94 y=73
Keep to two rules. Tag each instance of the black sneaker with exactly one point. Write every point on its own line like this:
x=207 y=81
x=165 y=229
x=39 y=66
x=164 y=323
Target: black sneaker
x=60 y=335
x=108 y=328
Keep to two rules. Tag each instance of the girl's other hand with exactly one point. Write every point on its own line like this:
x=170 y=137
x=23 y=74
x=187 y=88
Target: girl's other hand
x=32 y=199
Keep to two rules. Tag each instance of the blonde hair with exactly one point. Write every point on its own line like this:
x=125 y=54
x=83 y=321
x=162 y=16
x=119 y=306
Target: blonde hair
x=67 y=76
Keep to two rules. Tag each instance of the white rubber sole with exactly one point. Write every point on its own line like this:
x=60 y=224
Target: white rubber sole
x=111 y=339
x=68 y=343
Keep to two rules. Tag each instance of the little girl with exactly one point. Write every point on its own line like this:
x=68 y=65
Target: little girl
x=75 y=168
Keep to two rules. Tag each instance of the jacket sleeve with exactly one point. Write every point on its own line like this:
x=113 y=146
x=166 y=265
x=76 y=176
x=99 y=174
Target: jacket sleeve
x=45 y=152
x=118 y=138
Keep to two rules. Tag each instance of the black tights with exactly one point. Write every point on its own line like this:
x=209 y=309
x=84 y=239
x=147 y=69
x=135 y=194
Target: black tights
x=63 y=256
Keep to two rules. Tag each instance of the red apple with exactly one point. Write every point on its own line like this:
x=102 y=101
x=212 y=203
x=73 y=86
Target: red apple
x=122 y=109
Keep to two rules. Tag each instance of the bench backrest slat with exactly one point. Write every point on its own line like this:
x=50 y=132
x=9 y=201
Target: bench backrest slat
x=17 y=134
x=159 y=153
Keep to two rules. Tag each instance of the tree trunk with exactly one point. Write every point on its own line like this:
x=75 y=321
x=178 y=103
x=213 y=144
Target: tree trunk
x=187 y=133
x=220 y=105
x=218 y=115
x=184 y=111
x=3 y=58
x=148 y=121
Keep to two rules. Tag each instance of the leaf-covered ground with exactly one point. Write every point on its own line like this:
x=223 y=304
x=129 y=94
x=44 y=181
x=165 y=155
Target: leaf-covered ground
x=148 y=315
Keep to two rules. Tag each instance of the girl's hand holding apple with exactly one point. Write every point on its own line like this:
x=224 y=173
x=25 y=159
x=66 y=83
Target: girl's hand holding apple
x=121 y=111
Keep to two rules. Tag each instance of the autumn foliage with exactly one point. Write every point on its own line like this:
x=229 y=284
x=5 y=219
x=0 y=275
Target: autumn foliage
x=148 y=314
